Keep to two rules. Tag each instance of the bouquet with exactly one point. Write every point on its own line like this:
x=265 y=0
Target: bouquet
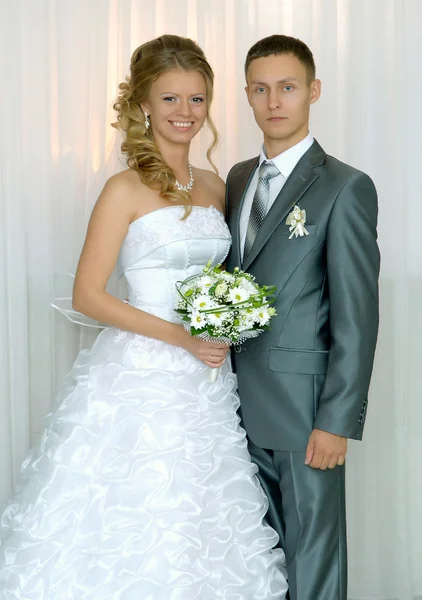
x=224 y=307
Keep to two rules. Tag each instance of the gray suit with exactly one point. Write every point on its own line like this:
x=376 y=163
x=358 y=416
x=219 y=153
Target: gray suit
x=312 y=368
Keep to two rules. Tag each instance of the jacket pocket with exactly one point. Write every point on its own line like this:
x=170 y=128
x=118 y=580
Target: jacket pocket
x=290 y=360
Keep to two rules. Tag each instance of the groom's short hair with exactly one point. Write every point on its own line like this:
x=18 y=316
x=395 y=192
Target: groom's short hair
x=282 y=44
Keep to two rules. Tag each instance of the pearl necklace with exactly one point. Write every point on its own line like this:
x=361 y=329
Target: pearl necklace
x=188 y=187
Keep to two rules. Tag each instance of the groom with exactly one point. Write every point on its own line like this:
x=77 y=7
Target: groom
x=303 y=384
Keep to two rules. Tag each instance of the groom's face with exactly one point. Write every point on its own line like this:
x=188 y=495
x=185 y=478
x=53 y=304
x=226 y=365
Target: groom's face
x=280 y=94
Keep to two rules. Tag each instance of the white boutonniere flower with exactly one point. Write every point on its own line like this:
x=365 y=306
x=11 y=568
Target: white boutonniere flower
x=296 y=221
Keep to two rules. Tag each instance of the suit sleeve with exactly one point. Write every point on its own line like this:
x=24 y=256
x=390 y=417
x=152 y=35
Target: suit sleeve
x=353 y=263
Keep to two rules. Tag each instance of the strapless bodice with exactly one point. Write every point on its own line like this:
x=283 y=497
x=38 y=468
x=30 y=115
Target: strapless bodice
x=162 y=248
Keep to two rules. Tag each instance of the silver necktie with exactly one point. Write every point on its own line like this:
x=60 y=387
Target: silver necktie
x=267 y=171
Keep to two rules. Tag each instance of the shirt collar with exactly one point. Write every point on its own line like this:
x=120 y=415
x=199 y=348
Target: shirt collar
x=287 y=160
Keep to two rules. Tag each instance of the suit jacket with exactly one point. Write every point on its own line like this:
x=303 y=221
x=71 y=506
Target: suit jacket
x=312 y=368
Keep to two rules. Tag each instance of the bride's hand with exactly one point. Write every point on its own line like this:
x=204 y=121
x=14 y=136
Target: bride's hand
x=212 y=354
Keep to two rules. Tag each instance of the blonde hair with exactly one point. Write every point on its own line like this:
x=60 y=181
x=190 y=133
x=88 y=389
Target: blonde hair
x=148 y=62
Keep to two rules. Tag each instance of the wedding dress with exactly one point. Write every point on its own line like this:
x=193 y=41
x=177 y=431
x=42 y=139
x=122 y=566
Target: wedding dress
x=142 y=486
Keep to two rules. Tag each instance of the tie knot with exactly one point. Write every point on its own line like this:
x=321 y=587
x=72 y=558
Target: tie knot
x=268 y=170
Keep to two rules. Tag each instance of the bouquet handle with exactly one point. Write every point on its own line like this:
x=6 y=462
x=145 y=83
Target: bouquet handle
x=213 y=374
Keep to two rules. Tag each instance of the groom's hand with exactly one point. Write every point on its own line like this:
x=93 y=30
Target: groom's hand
x=325 y=450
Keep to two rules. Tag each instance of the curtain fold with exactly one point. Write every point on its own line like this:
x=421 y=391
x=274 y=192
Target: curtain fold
x=60 y=65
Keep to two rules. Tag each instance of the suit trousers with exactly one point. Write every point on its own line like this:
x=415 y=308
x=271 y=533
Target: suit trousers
x=307 y=508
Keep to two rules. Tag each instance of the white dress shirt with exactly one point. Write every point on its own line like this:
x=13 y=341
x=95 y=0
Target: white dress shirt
x=285 y=163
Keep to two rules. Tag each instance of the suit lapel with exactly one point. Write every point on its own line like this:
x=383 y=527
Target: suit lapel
x=237 y=198
x=300 y=180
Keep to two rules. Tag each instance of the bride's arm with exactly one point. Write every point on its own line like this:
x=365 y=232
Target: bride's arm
x=107 y=229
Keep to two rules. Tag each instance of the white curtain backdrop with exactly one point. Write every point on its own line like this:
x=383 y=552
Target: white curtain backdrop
x=60 y=63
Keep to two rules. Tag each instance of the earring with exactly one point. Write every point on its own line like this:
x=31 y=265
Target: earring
x=146 y=121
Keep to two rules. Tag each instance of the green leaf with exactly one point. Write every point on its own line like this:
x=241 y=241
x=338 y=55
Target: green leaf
x=195 y=331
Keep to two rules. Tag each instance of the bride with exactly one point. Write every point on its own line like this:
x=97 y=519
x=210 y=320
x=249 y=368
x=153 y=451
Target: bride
x=142 y=486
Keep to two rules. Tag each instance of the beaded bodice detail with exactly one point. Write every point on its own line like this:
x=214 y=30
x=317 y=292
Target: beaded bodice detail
x=162 y=248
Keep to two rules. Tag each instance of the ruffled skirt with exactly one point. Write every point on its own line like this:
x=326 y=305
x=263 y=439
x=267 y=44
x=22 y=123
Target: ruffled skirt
x=142 y=488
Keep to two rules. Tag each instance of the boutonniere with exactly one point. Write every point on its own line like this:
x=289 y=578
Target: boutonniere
x=296 y=221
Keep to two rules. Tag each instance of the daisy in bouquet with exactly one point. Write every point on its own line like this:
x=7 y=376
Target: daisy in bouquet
x=225 y=307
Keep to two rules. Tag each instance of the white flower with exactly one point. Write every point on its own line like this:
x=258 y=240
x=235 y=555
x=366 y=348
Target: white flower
x=227 y=277
x=197 y=320
x=216 y=318
x=247 y=320
x=204 y=283
x=247 y=285
x=261 y=315
x=221 y=289
x=238 y=294
x=296 y=221
x=203 y=302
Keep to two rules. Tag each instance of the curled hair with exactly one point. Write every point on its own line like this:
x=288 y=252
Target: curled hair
x=148 y=62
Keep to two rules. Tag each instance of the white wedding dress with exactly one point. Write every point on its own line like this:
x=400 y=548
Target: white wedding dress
x=142 y=487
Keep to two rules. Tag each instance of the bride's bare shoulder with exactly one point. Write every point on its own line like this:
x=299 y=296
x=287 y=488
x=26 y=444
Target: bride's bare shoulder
x=211 y=179
x=128 y=191
x=125 y=181
x=121 y=197
x=215 y=186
